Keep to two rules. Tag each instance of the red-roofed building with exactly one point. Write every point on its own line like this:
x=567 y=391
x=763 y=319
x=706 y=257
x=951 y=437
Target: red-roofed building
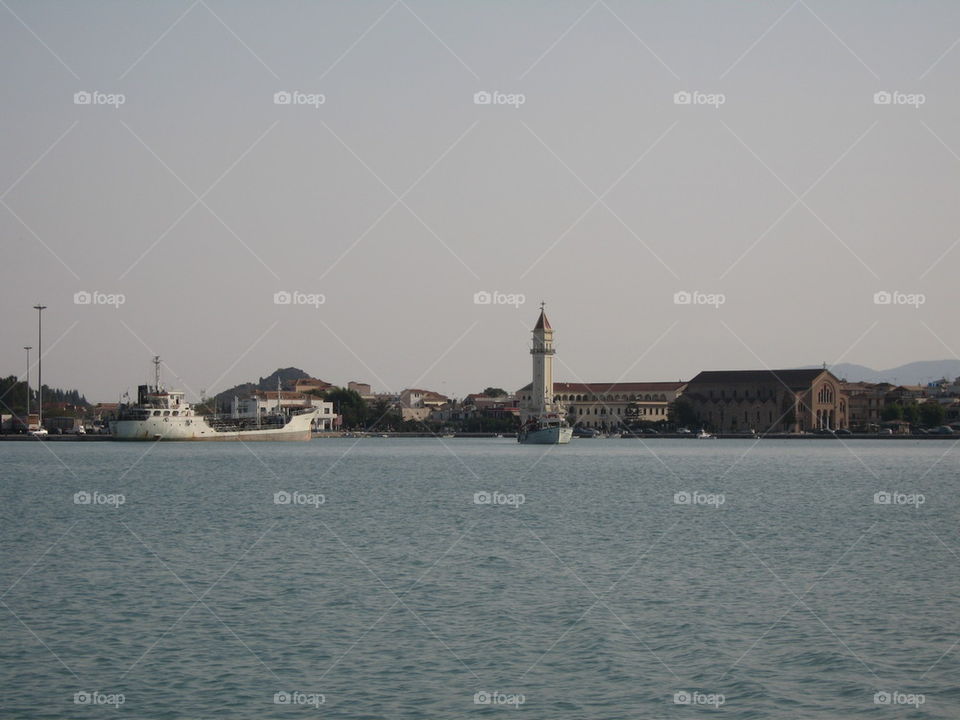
x=611 y=405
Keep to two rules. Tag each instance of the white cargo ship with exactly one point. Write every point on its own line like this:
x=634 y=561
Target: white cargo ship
x=162 y=414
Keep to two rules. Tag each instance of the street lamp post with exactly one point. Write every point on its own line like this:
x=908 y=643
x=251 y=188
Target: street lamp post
x=40 y=309
x=28 y=348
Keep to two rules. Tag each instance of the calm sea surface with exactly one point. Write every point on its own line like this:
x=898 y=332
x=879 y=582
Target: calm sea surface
x=425 y=578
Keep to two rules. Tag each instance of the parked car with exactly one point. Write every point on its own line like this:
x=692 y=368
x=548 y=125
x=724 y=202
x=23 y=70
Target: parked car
x=844 y=431
x=942 y=430
x=684 y=431
x=42 y=432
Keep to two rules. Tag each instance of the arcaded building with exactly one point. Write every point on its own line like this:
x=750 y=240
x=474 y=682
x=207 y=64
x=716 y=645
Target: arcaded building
x=788 y=401
x=612 y=405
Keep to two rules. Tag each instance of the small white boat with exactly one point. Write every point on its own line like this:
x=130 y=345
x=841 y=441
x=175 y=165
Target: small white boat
x=548 y=429
x=704 y=435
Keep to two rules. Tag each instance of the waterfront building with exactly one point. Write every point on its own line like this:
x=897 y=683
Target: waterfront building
x=417 y=404
x=613 y=404
x=733 y=401
x=265 y=402
x=865 y=403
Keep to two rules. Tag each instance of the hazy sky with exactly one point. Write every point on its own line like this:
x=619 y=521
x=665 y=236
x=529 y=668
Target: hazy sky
x=398 y=198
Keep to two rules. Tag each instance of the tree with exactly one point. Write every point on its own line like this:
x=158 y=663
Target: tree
x=911 y=413
x=494 y=392
x=892 y=411
x=349 y=405
x=382 y=416
x=932 y=413
x=681 y=412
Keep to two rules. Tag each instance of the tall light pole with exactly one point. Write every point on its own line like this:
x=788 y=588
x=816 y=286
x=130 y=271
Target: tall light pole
x=28 y=348
x=40 y=309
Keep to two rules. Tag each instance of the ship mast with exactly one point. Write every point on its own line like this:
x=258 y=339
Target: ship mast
x=156 y=372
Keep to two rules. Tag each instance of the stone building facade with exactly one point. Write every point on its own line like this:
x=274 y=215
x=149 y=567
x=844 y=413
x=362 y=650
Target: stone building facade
x=608 y=406
x=778 y=401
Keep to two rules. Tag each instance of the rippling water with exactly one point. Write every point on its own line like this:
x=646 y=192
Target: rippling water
x=583 y=589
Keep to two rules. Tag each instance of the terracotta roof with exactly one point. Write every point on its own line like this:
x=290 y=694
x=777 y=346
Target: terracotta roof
x=542 y=322
x=791 y=378
x=613 y=387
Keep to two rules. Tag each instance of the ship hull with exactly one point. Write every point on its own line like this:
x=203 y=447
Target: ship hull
x=196 y=429
x=546 y=436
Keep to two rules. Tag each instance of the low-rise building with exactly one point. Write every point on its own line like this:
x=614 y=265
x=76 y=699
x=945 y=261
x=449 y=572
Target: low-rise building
x=611 y=405
x=305 y=385
x=362 y=389
x=261 y=403
x=865 y=403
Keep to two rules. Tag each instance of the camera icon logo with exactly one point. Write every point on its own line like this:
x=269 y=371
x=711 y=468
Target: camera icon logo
x=482 y=498
x=82 y=498
x=82 y=298
x=482 y=98
x=82 y=98
x=682 y=98
x=681 y=697
x=882 y=298
x=282 y=298
x=682 y=498
x=482 y=298
x=281 y=498
x=481 y=697
x=882 y=98
x=282 y=98
x=882 y=698
x=82 y=697
x=882 y=498
x=281 y=698
x=682 y=298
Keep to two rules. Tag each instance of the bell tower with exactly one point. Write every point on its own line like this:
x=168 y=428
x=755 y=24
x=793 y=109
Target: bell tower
x=541 y=391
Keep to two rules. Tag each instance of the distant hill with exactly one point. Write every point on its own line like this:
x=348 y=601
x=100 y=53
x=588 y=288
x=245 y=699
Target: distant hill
x=915 y=373
x=287 y=376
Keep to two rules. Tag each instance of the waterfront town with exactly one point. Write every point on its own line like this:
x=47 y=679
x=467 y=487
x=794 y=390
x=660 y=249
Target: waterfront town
x=727 y=402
